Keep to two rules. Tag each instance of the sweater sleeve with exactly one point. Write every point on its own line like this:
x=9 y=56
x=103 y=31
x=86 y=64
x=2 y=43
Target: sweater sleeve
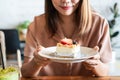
x=104 y=44
x=30 y=43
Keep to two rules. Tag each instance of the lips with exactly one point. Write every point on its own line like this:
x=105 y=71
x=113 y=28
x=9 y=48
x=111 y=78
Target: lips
x=66 y=7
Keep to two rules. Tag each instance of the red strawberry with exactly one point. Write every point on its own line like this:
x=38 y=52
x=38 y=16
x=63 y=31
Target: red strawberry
x=66 y=41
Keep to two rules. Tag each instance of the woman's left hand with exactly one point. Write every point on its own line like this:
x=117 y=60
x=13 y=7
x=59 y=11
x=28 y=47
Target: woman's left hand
x=95 y=65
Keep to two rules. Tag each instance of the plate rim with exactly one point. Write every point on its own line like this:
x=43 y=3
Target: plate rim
x=65 y=59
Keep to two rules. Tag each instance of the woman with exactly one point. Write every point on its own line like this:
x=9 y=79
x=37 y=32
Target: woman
x=72 y=19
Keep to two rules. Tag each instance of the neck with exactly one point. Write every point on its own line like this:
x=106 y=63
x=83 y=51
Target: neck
x=67 y=19
x=68 y=25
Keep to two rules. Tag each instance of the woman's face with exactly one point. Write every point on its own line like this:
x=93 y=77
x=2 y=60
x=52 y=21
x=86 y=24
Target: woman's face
x=65 y=7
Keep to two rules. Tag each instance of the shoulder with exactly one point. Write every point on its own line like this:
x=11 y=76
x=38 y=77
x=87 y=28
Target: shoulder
x=98 y=17
x=38 y=23
x=99 y=24
x=99 y=20
x=40 y=19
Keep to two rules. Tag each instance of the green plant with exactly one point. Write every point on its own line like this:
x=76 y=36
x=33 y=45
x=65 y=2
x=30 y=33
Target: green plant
x=23 y=26
x=112 y=22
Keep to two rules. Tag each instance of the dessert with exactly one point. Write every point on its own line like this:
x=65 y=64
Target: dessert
x=10 y=73
x=68 y=48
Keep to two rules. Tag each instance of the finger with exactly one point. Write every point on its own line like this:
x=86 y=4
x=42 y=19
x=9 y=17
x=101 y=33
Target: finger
x=96 y=48
x=89 y=67
x=96 y=57
x=39 y=47
x=46 y=59
x=91 y=62
x=36 y=55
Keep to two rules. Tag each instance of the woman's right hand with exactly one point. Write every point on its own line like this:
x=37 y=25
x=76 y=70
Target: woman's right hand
x=39 y=60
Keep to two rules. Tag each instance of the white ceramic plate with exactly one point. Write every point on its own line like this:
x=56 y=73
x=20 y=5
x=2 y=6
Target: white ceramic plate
x=50 y=53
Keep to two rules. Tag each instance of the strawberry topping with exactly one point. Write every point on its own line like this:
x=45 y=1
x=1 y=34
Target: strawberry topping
x=66 y=41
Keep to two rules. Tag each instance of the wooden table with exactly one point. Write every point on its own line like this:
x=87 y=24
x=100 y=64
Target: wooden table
x=72 y=78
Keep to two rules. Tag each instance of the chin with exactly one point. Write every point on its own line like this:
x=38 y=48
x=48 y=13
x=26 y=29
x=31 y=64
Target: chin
x=66 y=13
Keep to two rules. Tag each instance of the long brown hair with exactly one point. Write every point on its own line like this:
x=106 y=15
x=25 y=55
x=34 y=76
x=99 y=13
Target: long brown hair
x=82 y=15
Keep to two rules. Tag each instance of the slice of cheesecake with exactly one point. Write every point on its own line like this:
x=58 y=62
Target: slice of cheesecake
x=68 y=48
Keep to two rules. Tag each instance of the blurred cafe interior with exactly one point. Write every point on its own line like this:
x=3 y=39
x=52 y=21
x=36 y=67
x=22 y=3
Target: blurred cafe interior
x=16 y=15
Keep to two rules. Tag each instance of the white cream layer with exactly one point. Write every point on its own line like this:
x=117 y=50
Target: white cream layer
x=68 y=51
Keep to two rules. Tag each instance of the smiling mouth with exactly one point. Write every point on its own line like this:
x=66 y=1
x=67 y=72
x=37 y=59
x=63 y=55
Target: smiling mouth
x=66 y=7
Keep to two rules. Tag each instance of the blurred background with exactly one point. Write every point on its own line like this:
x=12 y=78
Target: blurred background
x=17 y=14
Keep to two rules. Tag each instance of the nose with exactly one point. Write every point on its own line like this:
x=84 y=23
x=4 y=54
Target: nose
x=66 y=1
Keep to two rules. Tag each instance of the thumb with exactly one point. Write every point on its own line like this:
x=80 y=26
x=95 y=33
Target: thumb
x=96 y=48
x=97 y=56
x=39 y=48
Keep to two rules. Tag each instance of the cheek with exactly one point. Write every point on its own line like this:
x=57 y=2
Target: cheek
x=75 y=1
x=55 y=3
